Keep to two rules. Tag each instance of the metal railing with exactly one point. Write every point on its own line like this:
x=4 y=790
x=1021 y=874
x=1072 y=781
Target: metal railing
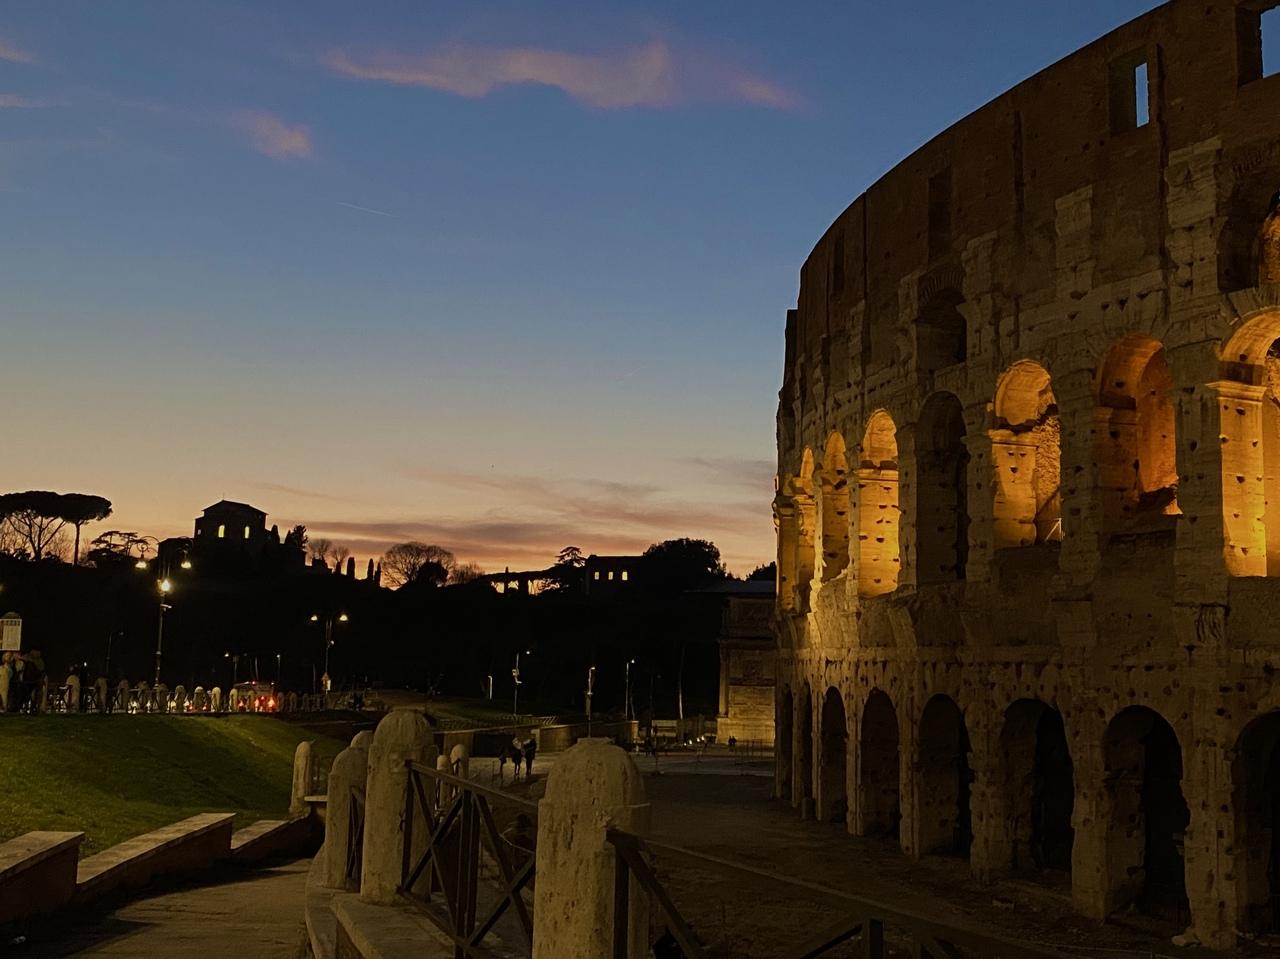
x=355 y=835
x=870 y=924
x=465 y=872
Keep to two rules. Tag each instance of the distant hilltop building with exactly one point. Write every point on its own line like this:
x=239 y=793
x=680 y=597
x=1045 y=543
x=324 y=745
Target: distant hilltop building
x=607 y=577
x=230 y=528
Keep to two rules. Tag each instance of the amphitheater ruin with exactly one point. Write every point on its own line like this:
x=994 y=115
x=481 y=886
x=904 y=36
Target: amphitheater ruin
x=1028 y=502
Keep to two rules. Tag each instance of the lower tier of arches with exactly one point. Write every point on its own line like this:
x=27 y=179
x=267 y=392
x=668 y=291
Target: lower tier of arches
x=1155 y=788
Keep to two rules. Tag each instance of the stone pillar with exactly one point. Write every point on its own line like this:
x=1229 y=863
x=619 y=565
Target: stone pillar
x=981 y=474
x=350 y=771
x=593 y=786
x=1208 y=847
x=402 y=735
x=460 y=760
x=303 y=767
x=1091 y=820
x=785 y=519
x=1239 y=409
x=909 y=775
x=1082 y=519
x=990 y=817
x=908 y=495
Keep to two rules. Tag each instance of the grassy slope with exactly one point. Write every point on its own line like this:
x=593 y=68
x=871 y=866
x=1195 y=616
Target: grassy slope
x=118 y=776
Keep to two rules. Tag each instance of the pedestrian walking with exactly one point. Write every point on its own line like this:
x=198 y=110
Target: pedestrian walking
x=529 y=749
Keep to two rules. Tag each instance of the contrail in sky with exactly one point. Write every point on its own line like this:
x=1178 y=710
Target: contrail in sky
x=366 y=209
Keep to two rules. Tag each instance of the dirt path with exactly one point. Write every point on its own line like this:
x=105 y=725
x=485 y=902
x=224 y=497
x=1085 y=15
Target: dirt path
x=250 y=916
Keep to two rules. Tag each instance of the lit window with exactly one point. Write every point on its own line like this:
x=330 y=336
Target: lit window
x=611 y=574
x=624 y=575
x=222 y=532
x=597 y=575
x=246 y=532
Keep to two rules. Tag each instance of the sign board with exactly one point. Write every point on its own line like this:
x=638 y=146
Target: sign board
x=11 y=633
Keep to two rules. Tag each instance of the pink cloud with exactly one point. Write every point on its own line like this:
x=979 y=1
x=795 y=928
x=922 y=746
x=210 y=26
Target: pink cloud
x=274 y=137
x=651 y=75
x=13 y=53
x=16 y=101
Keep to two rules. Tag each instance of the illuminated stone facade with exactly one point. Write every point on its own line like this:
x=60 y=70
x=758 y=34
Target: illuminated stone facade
x=1028 y=500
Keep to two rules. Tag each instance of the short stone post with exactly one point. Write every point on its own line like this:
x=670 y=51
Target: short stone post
x=303 y=765
x=349 y=772
x=403 y=734
x=460 y=760
x=594 y=786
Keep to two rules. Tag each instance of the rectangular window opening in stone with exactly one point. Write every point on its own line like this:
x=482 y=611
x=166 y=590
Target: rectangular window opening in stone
x=1130 y=92
x=1258 y=41
x=939 y=213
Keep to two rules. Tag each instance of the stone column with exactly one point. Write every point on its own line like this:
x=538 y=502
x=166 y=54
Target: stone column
x=1209 y=847
x=593 y=786
x=1082 y=520
x=980 y=494
x=303 y=765
x=350 y=771
x=990 y=817
x=1091 y=820
x=909 y=774
x=402 y=735
x=908 y=493
x=784 y=512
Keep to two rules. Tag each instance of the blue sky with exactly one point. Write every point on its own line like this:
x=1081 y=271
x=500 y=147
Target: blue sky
x=503 y=276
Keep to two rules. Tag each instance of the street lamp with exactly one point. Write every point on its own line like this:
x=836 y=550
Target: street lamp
x=591 y=689
x=628 y=710
x=515 y=675
x=165 y=587
x=329 y=620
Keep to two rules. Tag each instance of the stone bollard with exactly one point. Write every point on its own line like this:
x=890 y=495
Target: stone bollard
x=215 y=699
x=460 y=760
x=403 y=734
x=303 y=766
x=592 y=787
x=349 y=771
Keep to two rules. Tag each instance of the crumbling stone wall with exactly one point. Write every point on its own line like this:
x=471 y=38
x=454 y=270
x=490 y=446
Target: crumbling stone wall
x=1110 y=626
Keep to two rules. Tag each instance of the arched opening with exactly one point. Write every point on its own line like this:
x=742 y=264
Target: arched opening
x=1039 y=787
x=878 y=510
x=835 y=749
x=806 y=745
x=941 y=333
x=1249 y=242
x=1256 y=778
x=834 y=489
x=1249 y=407
x=942 y=493
x=945 y=779
x=1134 y=434
x=786 y=753
x=806 y=523
x=1025 y=455
x=1148 y=815
x=879 y=808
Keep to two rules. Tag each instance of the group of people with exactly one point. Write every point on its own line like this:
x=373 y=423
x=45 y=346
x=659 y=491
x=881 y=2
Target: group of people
x=24 y=682
x=520 y=751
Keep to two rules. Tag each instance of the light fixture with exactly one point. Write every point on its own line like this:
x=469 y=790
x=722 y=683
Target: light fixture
x=186 y=564
x=140 y=564
x=165 y=586
x=343 y=618
x=315 y=617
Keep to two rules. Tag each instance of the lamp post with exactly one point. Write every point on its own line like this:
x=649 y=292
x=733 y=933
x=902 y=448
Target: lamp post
x=627 y=710
x=515 y=675
x=165 y=587
x=329 y=620
x=591 y=688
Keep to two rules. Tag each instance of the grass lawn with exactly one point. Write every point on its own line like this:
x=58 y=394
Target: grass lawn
x=114 y=777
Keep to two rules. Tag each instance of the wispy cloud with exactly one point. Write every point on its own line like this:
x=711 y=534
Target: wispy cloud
x=18 y=101
x=13 y=53
x=756 y=474
x=271 y=136
x=300 y=493
x=655 y=74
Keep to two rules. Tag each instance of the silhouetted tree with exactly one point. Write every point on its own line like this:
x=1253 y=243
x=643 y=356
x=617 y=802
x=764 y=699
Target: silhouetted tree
x=765 y=571
x=340 y=555
x=114 y=547
x=465 y=573
x=79 y=509
x=676 y=565
x=571 y=556
x=35 y=517
x=417 y=562
x=319 y=549
x=296 y=537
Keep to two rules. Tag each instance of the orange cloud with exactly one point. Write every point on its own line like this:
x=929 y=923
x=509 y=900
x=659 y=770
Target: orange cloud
x=650 y=75
x=274 y=137
x=13 y=53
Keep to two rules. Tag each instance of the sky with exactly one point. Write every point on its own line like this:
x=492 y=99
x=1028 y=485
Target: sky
x=503 y=277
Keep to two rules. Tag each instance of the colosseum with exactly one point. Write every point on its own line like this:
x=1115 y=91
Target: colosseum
x=1028 y=502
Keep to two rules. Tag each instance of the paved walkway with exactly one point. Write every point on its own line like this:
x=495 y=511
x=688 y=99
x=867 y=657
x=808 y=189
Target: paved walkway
x=253 y=915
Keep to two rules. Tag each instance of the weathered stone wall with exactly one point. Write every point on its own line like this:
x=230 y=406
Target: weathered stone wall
x=1116 y=451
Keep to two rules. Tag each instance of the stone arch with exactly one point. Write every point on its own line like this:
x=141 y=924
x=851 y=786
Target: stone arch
x=878 y=509
x=1135 y=446
x=1147 y=814
x=942 y=492
x=941 y=331
x=1249 y=406
x=1247 y=247
x=805 y=772
x=834 y=805
x=1037 y=783
x=833 y=487
x=786 y=748
x=879 y=773
x=945 y=779
x=1026 y=457
x=1255 y=775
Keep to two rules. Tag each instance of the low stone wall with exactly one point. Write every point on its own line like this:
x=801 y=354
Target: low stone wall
x=554 y=739
x=187 y=846
x=37 y=874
